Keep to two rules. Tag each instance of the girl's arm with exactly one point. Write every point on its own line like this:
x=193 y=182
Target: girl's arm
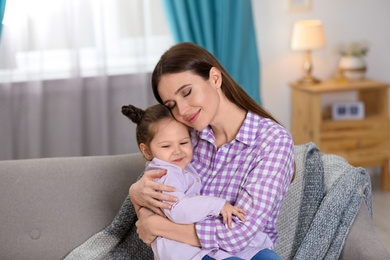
x=188 y=209
x=149 y=226
x=145 y=193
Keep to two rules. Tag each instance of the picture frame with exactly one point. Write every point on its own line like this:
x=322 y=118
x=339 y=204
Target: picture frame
x=348 y=110
x=298 y=5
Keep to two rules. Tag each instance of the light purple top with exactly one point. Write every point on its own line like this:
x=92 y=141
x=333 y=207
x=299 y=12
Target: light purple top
x=252 y=172
x=191 y=207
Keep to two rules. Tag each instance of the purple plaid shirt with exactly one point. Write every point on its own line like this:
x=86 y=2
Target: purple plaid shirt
x=253 y=172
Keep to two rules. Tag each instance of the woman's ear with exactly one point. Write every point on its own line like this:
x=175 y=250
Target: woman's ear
x=145 y=151
x=216 y=77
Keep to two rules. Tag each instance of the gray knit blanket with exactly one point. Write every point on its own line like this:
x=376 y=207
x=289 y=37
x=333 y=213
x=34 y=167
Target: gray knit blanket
x=320 y=205
x=317 y=212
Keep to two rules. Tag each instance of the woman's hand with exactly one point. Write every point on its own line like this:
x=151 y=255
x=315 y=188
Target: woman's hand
x=150 y=225
x=228 y=210
x=145 y=225
x=146 y=193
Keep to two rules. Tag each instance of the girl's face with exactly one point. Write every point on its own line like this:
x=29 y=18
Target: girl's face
x=171 y=143
x=192 y=100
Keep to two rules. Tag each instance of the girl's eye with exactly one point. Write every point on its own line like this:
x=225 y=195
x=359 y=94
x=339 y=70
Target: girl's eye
x=183 y=143
x=165 y=146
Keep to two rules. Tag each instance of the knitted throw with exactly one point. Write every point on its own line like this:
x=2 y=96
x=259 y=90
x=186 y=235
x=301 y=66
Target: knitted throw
x=320 y=205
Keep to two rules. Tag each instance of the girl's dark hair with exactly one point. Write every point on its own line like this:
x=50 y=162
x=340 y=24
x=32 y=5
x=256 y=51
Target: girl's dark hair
x=187 y=56
x=145 y=119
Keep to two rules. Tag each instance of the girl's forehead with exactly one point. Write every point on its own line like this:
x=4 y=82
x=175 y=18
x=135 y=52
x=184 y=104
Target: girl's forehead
x=169 y=125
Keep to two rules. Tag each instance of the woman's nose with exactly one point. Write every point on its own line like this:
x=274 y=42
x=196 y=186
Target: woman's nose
x=182 y=108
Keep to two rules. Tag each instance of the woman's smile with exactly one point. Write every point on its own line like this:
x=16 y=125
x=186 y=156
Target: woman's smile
x=193 y=117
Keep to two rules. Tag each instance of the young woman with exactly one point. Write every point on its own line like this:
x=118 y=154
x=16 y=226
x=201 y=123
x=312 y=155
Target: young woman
x=241 y=153
x=166 y=144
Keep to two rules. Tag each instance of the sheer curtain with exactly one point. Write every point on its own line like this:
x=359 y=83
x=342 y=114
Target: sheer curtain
x=67 y=67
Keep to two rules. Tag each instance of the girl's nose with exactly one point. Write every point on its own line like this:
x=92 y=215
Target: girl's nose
x=176 y=150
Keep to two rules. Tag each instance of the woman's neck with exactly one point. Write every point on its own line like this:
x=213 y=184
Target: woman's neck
x=227 y=122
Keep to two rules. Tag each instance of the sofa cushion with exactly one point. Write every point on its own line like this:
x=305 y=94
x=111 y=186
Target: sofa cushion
x=50 y=206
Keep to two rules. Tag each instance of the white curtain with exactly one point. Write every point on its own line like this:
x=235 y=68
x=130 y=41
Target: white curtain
x=67 y=67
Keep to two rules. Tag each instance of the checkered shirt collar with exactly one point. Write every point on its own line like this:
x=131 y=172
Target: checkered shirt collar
x=247 y=134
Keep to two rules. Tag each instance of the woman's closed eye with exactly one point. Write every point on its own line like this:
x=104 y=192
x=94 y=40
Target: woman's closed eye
x=186 y=92
x=170 y=105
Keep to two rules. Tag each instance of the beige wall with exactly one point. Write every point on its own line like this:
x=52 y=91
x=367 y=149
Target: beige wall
x=344 y=21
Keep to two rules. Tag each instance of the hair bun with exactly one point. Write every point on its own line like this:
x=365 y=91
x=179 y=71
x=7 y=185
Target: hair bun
x=133 y=113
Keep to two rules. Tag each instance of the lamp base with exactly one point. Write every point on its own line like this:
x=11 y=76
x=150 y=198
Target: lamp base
x=308 y=80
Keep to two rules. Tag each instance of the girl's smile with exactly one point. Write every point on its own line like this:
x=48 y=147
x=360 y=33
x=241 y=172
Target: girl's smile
x=171 y=143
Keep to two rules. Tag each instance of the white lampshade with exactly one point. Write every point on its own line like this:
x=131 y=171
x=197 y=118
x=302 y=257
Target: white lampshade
x=307 y=35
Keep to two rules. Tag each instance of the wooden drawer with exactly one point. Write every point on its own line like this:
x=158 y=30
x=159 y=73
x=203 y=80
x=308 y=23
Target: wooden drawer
x=361 y=143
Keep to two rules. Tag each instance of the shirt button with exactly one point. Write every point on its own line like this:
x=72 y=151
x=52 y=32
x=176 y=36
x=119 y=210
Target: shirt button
x=197 y=179
x=197 y=194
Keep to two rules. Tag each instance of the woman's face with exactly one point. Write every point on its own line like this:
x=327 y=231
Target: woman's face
x=192 y=100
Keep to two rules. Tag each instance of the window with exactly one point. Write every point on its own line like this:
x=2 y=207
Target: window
x=51 y=39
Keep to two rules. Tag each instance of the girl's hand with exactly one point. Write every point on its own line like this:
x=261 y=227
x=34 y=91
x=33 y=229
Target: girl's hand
x=145 y=226
x=145 y=193
x=228 y=210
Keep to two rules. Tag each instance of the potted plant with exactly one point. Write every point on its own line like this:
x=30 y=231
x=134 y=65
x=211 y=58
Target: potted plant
x=352 y=65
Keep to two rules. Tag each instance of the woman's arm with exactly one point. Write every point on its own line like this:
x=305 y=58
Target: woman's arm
x=145 y=193
x=149 y=226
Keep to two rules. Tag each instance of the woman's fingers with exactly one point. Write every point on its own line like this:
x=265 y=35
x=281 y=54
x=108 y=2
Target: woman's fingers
x=162 y=187
x=147 y=193
x=164 y=197
x=146 y=226
x=154 y=174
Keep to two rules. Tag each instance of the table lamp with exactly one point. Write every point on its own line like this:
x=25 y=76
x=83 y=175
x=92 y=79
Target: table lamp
x=307 y=35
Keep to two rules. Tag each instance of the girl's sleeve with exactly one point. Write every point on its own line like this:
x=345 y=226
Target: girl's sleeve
x=261 y=197
x=188 y=210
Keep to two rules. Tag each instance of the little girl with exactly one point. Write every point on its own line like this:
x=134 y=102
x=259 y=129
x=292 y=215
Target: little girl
x=166 y=144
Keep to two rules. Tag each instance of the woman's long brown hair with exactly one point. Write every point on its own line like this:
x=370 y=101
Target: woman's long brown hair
x=187 y=56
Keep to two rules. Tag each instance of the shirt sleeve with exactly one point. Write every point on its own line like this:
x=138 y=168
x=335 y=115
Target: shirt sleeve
x=188 y=210
x=261 y=197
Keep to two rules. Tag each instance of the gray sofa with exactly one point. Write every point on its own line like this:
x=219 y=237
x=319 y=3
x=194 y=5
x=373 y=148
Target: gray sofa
x=51 y=206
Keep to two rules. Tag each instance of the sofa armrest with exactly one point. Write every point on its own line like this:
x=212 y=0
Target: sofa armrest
x=362 y=241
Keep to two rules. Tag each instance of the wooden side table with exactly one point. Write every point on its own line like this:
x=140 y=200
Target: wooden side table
x=364 y=142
